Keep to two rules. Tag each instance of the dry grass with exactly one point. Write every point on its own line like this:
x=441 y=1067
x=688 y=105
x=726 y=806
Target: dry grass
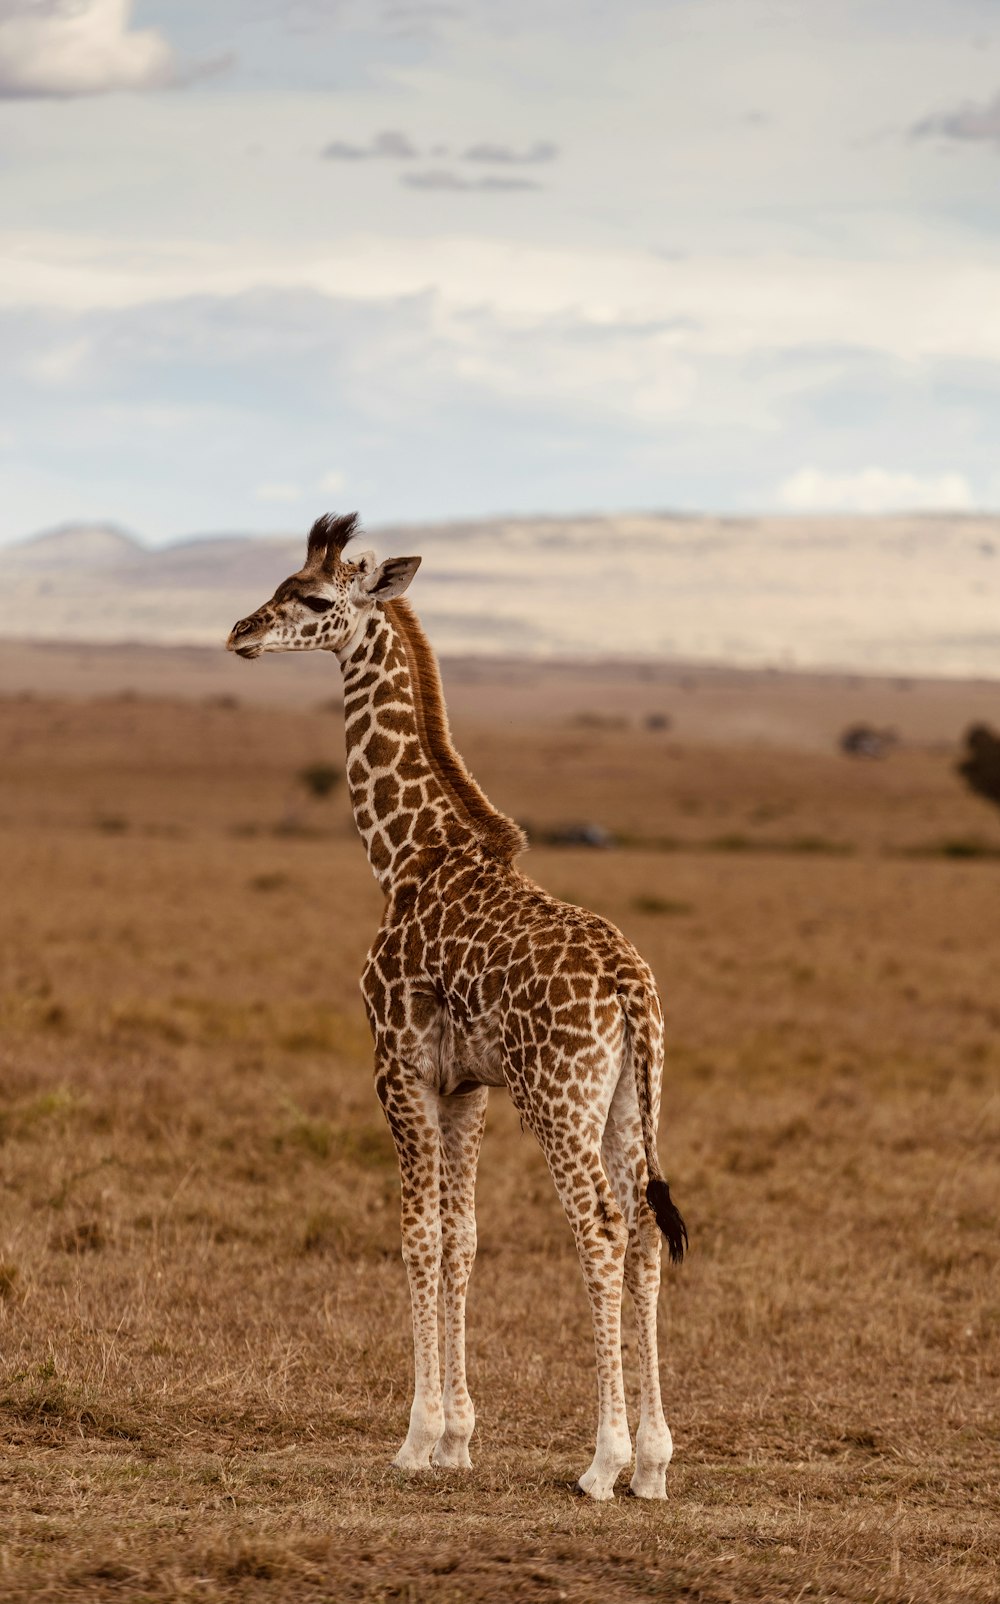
x=205 y=1345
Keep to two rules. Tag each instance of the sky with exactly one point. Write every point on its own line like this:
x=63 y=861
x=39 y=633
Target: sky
x=446 y=260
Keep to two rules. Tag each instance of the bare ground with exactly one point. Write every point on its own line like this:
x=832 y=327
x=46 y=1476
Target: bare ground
x=205 y=1346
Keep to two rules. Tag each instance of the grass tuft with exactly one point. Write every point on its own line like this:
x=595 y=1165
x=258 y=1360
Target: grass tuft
x=85 y=1237
x=960 y=847
x=276 y=881
x=111 y=824
x=649 y=902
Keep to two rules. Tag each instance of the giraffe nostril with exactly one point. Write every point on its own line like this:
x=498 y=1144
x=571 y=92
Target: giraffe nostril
x=243 y=626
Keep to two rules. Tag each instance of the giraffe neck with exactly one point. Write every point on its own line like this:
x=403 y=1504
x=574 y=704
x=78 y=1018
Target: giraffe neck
x=410 y=791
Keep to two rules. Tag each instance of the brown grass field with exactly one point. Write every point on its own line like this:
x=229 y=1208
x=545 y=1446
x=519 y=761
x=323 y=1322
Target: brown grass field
x=205 y=1357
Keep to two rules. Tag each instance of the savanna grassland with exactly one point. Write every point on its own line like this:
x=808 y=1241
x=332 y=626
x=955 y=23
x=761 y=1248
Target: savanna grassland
x=204 y=1336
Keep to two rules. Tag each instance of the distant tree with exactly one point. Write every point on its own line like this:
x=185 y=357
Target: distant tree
x=980 y=764
x=320 y=779
x=316 y=782
x=863 y=740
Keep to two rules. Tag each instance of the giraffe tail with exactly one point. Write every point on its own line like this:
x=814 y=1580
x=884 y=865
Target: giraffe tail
x=668 y=1217
x=641 y=1051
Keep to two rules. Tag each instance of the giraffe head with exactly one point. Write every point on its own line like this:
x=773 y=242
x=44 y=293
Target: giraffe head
x=321 y=607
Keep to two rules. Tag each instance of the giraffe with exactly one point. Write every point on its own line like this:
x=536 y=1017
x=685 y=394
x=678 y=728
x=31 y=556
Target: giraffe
x=477 y=978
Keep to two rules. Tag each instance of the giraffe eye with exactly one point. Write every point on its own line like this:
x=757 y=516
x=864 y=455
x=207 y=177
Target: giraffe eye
x=318 y=604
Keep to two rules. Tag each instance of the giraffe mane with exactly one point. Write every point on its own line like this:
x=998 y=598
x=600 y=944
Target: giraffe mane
x=501 y=837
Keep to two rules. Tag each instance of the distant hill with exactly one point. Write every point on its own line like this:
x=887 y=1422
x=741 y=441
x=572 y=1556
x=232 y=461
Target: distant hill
x=79 y=545
x=916 y=594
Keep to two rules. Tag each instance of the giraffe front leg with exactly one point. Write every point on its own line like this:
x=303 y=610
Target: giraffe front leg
x=411 y=1110
x=461 y=1124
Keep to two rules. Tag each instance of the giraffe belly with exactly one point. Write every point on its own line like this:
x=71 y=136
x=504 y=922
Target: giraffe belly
x=470 y=1056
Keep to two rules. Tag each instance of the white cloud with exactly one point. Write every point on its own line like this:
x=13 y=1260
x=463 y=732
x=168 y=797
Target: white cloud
x=278 y=492
x=969 y=122
x=913 y=309
x=543 y=150
x=874 y=490
x=61 y=362
x=312 y=391
x=443 y=178
x=644 y=331
x=77 y=47
x=390 y=145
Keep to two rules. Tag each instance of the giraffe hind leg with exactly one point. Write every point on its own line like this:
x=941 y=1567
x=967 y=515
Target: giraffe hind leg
x=601 y=1235
x=625 y=1161
x=600 y=1232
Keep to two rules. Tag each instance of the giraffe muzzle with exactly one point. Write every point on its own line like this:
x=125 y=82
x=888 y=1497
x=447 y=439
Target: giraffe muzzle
x=241 y=638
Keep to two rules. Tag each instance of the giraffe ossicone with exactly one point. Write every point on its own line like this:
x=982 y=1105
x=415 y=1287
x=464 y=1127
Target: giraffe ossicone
x=478 y=978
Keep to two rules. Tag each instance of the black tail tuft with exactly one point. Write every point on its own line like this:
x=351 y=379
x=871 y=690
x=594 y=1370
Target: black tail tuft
x=668 y=1218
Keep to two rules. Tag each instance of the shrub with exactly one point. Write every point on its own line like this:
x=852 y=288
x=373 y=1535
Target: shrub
x=980 y=764
x=320 y=779
x=649 y=903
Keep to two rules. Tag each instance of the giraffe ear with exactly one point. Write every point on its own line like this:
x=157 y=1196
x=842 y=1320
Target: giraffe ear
x=389 y=578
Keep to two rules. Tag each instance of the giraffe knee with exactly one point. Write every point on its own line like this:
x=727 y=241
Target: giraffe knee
x=421 y=1244
x=644 y=1242
x=605 y=1227
x=642 y=1264
x=459 y=1240
x=616 y=1236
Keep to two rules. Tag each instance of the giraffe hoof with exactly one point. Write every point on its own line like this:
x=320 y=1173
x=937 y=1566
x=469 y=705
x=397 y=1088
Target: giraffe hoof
x=409 y=1461
x=600 y=1494
x=451 y=1455
x=653 y=1487
x=577 y=1490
